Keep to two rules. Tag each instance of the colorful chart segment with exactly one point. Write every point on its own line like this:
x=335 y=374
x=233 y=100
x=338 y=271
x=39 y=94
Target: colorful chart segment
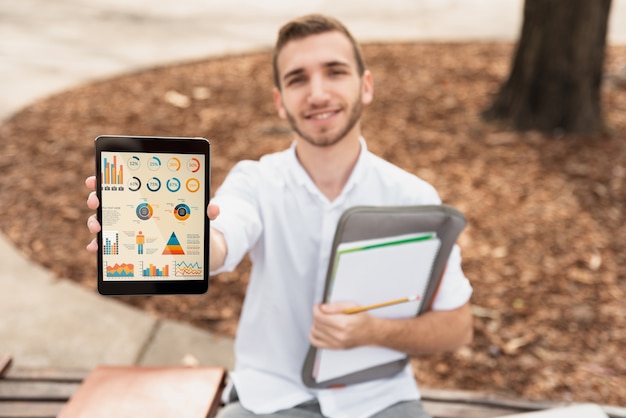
x=188 y=269
x=173 y=246
x=121 y=270
x=153 y=271
x=111 y=242
x=113 y=174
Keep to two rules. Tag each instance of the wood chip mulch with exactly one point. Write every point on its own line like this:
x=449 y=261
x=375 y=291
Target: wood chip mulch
x=546 y=244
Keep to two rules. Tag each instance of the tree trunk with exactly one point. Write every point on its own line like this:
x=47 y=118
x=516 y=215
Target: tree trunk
x=554 y=84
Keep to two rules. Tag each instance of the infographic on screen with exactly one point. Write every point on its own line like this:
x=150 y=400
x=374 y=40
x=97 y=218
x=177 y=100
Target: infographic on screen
x=152 y=216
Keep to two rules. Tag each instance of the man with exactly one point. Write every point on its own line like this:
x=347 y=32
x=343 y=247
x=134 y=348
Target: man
x=283 y=211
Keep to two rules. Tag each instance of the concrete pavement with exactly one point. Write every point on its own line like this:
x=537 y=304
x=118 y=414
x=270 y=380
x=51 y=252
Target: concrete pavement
x=47 y=47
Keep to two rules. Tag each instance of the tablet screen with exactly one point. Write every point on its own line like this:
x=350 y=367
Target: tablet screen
x=153 y=197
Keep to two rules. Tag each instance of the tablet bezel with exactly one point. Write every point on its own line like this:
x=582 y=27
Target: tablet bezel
x=153 y=144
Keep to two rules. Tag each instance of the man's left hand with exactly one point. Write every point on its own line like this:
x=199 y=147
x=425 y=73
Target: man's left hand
x=333 y=329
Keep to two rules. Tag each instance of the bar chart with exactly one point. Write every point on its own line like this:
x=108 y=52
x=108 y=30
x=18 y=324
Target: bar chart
x=154 y=271
x=111 y=242
x=112 y=173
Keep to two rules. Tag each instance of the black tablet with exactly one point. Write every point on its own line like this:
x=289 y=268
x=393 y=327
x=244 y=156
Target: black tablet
x=153 y=195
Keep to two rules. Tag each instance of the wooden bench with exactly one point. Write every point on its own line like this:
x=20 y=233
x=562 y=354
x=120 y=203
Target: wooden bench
x=111 y=391
x=39 y=393
x=45 y=393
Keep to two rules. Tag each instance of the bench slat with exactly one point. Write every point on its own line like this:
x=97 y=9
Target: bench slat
x=36 y=391
x=483 y=398
x=46 y=374
x=481 y=401
x=30 y=409
x=465 y=410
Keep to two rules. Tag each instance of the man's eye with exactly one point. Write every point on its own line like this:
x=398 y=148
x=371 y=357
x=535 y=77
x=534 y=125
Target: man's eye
x=337 y=72
x=295 y=80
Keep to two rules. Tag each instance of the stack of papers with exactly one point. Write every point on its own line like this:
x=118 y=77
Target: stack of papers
x=370 y=272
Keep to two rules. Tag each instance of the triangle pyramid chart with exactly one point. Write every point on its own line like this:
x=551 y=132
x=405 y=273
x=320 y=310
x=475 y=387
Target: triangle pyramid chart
x=173 y=246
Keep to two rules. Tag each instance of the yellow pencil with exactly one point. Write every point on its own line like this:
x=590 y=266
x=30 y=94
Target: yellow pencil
x=380 y=305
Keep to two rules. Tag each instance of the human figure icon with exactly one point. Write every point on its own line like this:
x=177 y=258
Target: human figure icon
x=140 y=240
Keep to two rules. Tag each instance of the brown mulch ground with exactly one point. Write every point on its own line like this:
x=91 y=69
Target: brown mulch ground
x=545 y=247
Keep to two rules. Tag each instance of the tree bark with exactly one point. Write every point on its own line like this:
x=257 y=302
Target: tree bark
x=556 y=75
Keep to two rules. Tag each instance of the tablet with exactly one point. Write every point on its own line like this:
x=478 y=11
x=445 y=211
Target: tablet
x=153 y=193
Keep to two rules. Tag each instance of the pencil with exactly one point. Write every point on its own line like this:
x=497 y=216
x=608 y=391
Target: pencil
x=380 y=305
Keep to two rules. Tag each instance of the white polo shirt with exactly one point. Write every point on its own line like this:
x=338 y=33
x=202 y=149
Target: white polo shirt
x=272 y=210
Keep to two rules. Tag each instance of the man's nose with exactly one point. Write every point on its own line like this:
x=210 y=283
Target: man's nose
x=318 y=90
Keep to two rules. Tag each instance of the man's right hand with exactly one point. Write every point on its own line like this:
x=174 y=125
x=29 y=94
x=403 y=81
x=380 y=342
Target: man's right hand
x=92 y=222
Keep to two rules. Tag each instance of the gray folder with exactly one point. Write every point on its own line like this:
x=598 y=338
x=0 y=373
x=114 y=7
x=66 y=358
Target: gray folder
x=363 y=223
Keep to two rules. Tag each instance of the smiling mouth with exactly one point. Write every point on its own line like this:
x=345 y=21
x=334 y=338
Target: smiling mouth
x=322 y=115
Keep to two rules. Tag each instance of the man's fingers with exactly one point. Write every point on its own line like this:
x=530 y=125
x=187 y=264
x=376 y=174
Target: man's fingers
x=92 y=201
x=90 y=182
x=320 y=340
x=93 y=224
x=92 y=246
x=212 y=211
x=336 y=307
x=92 y=221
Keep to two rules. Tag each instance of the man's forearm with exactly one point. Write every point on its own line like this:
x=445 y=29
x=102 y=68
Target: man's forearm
x=217 y=250
x=431 y=332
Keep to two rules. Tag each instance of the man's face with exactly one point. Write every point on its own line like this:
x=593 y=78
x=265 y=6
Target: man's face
x=321 y=92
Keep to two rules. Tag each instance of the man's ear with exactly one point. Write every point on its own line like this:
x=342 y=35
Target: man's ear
x=278 y=102
x=367 y=88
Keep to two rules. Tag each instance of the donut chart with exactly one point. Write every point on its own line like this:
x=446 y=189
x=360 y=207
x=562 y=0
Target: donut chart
x=144 y=211
x=182 y=212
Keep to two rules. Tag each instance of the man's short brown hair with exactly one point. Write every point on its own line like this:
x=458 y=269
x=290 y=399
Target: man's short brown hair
x=313 y=24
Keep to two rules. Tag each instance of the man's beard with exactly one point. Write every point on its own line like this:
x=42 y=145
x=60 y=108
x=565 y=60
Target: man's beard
x=325 y=139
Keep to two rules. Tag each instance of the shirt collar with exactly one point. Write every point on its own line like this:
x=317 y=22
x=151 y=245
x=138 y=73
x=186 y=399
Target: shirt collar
x=302 y=178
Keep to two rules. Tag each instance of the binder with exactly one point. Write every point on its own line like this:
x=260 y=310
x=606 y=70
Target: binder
x=377 y=250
